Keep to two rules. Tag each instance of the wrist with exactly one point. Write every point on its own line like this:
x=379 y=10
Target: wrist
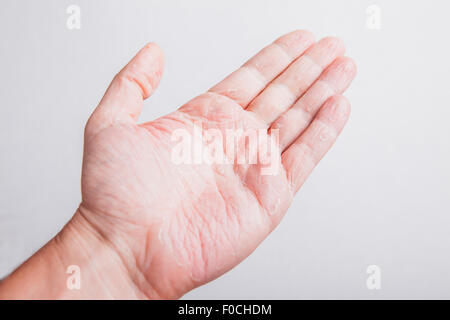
x=79 y=263
x=104 y=273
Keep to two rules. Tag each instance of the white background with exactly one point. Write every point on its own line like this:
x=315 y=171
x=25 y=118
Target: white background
x=381 y=196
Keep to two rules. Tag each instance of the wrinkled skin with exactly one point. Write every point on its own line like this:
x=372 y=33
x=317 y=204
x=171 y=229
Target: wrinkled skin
x=181 y=225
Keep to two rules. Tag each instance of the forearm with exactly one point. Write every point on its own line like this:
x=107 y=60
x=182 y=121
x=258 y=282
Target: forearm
x=103 y=273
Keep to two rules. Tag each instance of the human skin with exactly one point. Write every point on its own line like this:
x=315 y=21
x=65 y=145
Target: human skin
x=150 y=228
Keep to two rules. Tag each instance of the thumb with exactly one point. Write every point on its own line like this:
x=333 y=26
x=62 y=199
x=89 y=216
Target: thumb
x=124 y=97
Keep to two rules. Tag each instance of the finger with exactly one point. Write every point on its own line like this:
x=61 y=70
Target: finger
x=124 y=97
x=335 y=80
x=244 y=84
x=304 y=154
x=292 y=83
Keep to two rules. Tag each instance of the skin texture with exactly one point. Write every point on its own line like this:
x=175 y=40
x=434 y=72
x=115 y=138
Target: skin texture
x=156 y=229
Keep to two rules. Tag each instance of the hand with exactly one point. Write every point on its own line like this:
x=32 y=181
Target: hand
x=186 y=224
x=177 y=226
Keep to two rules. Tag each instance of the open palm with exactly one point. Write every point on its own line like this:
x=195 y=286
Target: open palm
x=184 y=224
